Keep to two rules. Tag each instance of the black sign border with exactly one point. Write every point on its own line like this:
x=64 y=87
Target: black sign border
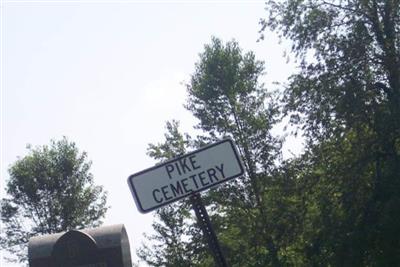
x=135 y=195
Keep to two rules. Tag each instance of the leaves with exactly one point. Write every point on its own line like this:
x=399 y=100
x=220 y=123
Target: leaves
x=345 y=100
x=50 y=190
x=337 y=203
x=227 y=98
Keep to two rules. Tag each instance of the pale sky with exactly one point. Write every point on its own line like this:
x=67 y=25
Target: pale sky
x=108 y=75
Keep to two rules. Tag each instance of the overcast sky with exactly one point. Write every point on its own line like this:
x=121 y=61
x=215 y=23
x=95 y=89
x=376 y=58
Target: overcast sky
x=108 y=75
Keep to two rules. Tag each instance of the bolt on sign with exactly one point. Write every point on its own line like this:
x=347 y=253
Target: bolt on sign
x=185 y=175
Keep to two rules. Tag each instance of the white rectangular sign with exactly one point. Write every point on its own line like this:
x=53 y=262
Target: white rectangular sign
x=177 y=178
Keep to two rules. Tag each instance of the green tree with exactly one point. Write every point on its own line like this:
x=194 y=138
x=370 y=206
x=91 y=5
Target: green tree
x=50 y=190
x=226 y=95
x=227 y=98
x=346 y=98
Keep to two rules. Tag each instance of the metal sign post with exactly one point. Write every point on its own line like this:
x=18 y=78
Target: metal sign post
x=208 y=231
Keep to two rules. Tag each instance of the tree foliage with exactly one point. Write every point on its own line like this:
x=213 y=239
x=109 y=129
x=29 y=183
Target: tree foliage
x=347 y=100
x=50 y=190
x=226 y=96
x=338 y=203
x=353 y=75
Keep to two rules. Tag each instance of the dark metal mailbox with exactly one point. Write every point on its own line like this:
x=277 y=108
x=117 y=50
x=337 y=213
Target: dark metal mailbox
x=106 y=246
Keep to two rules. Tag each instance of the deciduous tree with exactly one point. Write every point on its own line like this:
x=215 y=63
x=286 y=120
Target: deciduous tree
x=49 y=190
x=346 y=98
x=228 y=99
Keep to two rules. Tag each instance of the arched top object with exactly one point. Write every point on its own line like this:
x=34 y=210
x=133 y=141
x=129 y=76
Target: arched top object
x=108 y=244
